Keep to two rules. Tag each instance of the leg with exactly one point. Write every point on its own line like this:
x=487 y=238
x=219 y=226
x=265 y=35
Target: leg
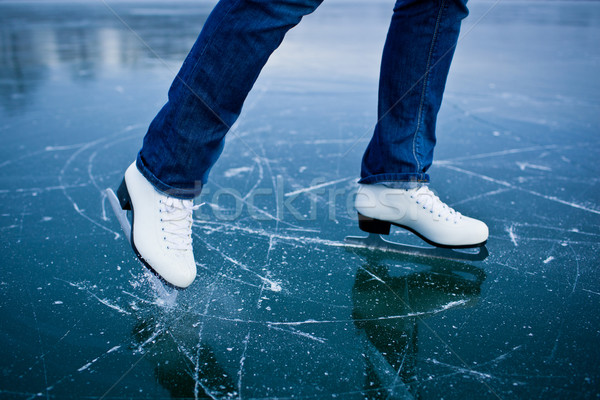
x=186 y=137
x=415 y=63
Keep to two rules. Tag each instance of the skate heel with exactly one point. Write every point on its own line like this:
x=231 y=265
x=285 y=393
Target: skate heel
x=372 y=225
x=123 y=196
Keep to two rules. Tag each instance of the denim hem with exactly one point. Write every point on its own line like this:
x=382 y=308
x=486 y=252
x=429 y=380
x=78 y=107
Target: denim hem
x=185 y=194
x=407 y=185
x=411 y=179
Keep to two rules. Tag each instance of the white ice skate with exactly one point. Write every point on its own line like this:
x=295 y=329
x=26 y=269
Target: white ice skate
x=420 y=211
x=161 y=229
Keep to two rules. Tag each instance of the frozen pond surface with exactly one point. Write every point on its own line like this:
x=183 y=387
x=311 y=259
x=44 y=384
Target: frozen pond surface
x=280 y=307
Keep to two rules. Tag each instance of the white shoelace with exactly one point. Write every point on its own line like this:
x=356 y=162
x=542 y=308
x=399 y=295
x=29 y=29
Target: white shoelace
x=176 y=220
x=429 y=201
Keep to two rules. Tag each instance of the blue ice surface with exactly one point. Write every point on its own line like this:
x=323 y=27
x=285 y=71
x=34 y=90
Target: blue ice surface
x=281 y=308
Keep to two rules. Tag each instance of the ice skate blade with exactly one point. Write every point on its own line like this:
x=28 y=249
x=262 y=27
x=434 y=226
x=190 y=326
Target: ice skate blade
x=376 y=242
x=163 y=289
x=166 y=295
x=119 y=213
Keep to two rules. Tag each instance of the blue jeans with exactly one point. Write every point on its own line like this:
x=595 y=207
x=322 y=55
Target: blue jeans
x=186 y=137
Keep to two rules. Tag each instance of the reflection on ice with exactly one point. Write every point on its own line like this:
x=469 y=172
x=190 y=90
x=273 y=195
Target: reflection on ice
x=388 y=309
x=191 y=351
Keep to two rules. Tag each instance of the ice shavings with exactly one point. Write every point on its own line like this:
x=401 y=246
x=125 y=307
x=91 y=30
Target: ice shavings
x=84 y=287
x=231 y=172
x=271 y=284
x=511 y=233
x=523 y=165
x=318 y=186
x=89 y=364
x=447 y=306
x=242 y=361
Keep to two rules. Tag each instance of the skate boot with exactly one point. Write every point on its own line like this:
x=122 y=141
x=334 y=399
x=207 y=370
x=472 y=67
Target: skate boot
x=161 y=233
x=420 y=211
